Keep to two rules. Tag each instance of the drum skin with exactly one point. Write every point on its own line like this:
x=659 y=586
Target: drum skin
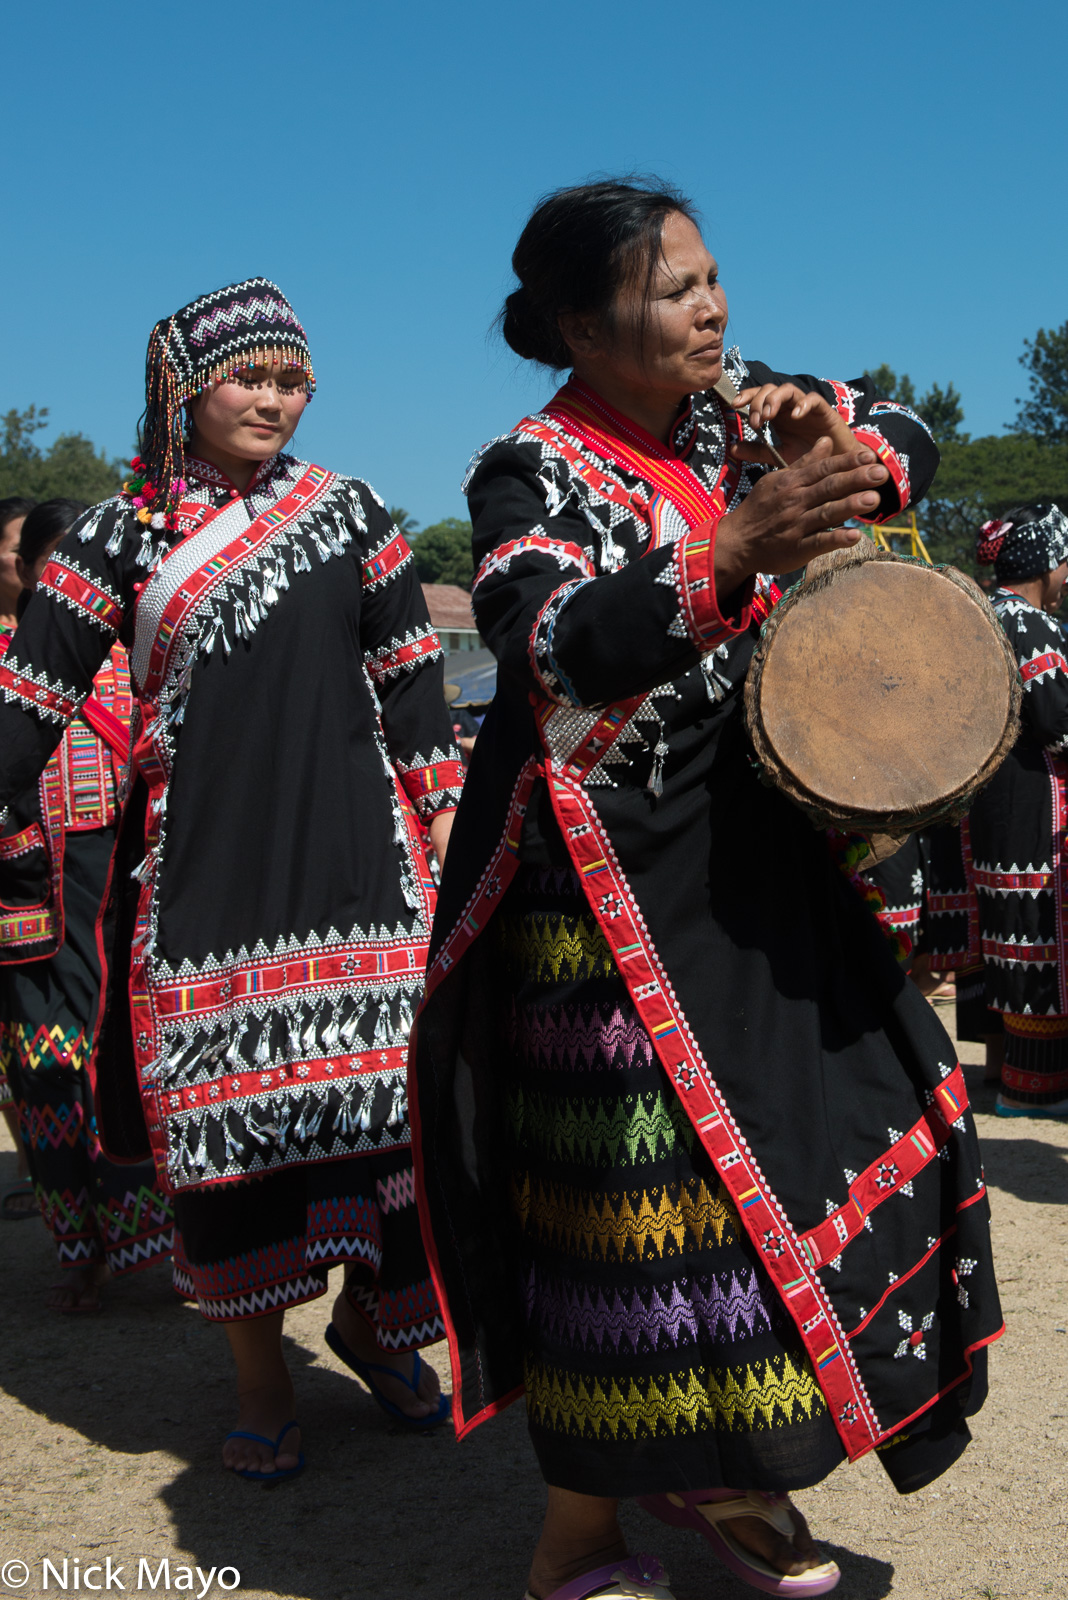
x=883 y=693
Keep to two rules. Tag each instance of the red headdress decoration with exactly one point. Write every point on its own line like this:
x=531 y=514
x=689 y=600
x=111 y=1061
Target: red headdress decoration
x=991 y=538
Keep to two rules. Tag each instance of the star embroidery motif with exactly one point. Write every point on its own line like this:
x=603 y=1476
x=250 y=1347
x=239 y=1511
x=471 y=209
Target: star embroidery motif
x=685 y=1075
x=848 y=1414
x=611 y=906
x=914 y=1343
x=966 y=1265
x=887 y=1174
x=774 y=1243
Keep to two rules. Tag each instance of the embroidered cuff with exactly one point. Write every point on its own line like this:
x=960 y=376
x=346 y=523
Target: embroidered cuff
x=692 y=558
x=895 y=465
x=434 y=788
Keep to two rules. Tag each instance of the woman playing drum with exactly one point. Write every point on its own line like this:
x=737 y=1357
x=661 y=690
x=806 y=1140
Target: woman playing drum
x=695 y=1159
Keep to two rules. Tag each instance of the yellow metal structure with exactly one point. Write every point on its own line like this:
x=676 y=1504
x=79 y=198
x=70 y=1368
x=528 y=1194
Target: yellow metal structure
x=908 y=531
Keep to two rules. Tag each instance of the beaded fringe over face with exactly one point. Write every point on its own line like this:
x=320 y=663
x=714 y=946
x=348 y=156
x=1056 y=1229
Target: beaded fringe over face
x=207 y=342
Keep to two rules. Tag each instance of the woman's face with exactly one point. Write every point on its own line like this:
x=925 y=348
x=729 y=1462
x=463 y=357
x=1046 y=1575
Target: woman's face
x=30 y=575
x=681 y=350
x=1053 y=587
x=253 y=416
x=9 y=576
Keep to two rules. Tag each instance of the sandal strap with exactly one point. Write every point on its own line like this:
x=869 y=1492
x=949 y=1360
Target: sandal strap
x=411 y=1383
x=639 y=1577
x=770 y=1508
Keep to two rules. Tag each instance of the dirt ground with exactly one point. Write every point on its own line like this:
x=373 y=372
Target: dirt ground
x=112 y=1425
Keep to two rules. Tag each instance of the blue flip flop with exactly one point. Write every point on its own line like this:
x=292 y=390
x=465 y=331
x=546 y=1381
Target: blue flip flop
x=364 y=1369
x=272 y=1444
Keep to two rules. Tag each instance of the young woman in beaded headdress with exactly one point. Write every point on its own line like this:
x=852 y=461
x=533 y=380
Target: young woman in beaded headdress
x=1016 y=828
x=105 y=1219
x=270 y=906
x=695 y=1157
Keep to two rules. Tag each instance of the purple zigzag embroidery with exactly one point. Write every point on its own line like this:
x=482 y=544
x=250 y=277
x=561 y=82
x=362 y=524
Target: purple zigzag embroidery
x=577 y=1317
x=559 y=1038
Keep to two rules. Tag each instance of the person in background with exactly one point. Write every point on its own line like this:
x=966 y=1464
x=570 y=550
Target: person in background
x=954 y=943
x=18 y=1203
x=464 y=725
x=270 y=911
x=1017 y=824
x=105 y=1219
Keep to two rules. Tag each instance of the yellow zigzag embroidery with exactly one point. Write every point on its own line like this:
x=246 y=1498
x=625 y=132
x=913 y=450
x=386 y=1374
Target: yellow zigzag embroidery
x=764 y=1394
x=586 y=1129
x=538 y=948
x=574 y=1221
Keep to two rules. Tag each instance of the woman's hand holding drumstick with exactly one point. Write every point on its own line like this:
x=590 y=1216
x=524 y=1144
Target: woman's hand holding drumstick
x=800 y=419
x=795 y=514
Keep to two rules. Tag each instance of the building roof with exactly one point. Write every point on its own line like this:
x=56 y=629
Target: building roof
x=449 y=606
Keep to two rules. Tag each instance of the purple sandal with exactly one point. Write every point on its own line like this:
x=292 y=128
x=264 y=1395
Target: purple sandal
x=706 y=1516
x=637 y=1578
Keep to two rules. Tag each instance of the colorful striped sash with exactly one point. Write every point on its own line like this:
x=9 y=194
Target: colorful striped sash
x=224 y=542
x=614 y=437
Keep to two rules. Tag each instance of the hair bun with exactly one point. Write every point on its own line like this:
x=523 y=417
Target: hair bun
x=991 y=538
x=516 y=323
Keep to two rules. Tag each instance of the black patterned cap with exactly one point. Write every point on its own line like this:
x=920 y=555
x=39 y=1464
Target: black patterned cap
x=208 y=340
x=1027 y=542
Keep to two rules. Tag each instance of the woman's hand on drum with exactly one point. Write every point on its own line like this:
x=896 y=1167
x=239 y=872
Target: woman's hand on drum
x=800 y=419
x=793 y=515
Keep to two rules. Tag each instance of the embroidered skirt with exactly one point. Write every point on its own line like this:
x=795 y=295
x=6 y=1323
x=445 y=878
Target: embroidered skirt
x=658 y=1355
x=1035 y=1072
x=97 y=1211
x=246 y=1249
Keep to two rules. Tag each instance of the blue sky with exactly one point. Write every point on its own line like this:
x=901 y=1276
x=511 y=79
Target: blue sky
x=879 y=182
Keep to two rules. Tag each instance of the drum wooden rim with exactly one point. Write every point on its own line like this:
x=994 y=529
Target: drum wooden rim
x=784 y=739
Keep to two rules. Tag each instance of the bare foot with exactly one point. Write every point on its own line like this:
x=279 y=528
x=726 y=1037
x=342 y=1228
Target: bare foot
x=77 y=1290
x=264 y=1411
x=788 y=1556
x=357 y=1334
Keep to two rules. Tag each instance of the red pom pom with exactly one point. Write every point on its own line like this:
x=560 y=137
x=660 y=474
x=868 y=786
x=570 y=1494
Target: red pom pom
x=991 y=538
x=148 y=490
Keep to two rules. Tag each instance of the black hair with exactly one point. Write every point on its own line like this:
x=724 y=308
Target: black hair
x=16 y=505
x=577 y=250
x=44 y=525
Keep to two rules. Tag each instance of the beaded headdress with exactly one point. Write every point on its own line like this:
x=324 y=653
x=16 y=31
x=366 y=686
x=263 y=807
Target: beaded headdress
x=1027 y=542
x=207 y=342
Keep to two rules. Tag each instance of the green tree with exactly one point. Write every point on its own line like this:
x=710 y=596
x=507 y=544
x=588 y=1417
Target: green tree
x=894 y=388
x=943 y=413
x=981 y=478
x=404 y=522
x=1045 y=414
x=70 y=468
x=443 y=553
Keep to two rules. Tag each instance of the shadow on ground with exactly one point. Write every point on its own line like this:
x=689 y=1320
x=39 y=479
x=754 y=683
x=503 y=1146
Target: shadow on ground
x=1028 y=1169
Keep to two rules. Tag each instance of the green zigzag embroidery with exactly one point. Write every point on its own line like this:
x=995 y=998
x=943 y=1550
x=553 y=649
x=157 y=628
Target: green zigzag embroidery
x=645 y=1126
